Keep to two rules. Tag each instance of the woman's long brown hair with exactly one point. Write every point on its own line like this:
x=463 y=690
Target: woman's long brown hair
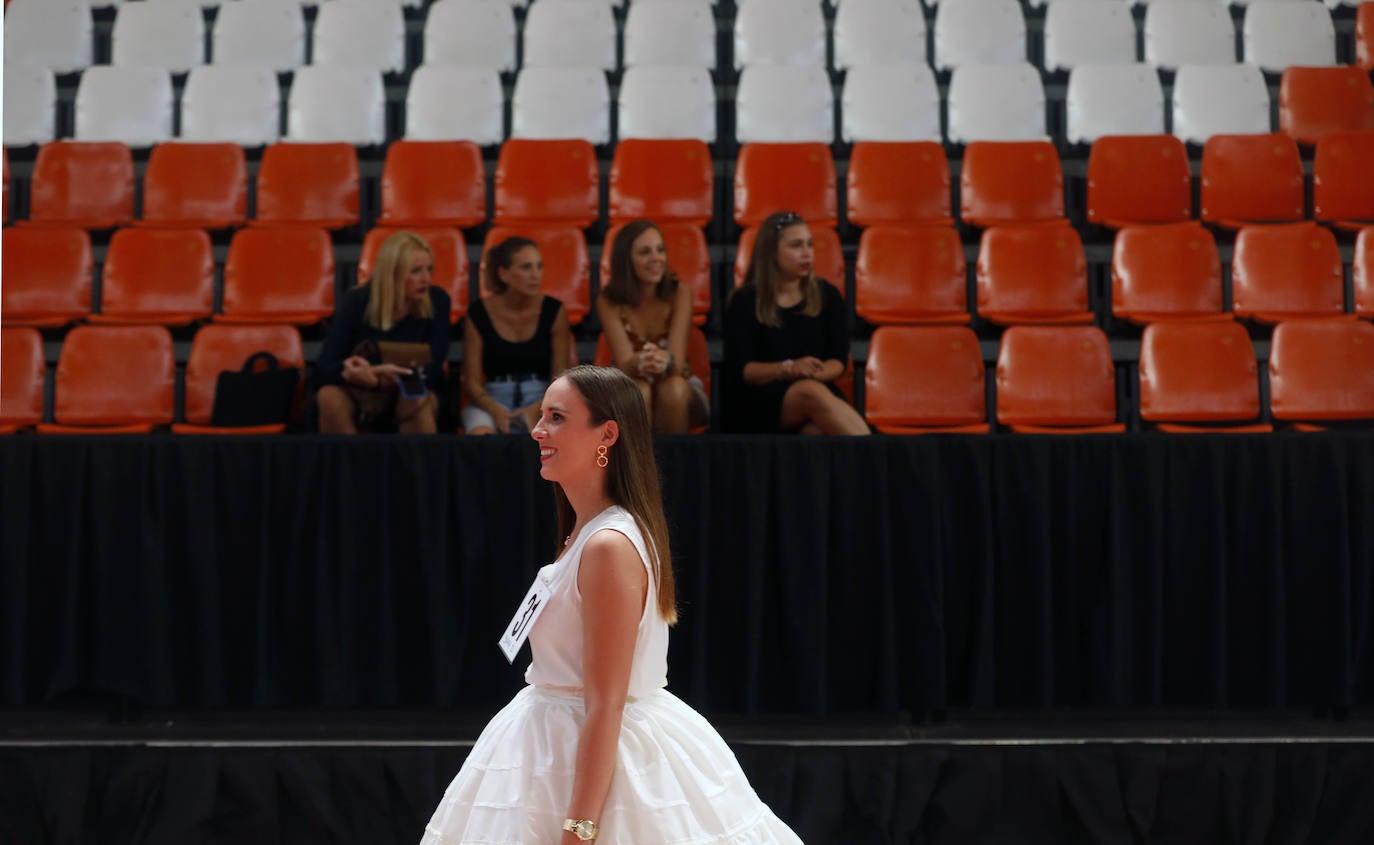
x=763 y=270
x=631 y=471
x=624 y=286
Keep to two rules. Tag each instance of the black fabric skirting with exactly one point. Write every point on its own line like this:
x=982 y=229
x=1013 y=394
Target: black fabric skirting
x=907 y=795
x=815 y=575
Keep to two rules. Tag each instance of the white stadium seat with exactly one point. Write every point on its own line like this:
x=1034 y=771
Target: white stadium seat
x=879 y=32
x=779 y=32
x=329 y=104
x=473 y=33
x=56 y=34
x=451 y=103
x=1189 y=32
x=890 y=103
x=239 y=104
x=1113 y=100
x=125 y=103
x=1279 y=33
x=1003 y=102
x=1088 y=32
x=561 y=102
x=1219 y=100
x=670 y=33
x=363 y=33
x=166 y=35
x=982 y=32
x=30 y=105
x=667 y=102
x=570 y=33
x=784 y=103
x=269 y=33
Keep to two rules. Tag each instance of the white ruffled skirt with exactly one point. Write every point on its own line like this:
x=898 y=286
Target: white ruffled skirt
x=676 y=781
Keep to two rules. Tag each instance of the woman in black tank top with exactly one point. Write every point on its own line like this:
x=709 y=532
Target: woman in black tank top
x=515 y=341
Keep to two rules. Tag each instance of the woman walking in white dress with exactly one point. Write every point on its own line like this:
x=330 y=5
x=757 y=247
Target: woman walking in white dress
x=595 y=748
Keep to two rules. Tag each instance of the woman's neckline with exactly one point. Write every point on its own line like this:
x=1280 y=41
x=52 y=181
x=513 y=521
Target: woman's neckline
x=539 y=307
x=569 y=541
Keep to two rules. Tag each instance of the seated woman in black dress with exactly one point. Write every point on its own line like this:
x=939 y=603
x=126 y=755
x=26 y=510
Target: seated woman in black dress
x=397 y=305
x=786 y=341
x=515 y=342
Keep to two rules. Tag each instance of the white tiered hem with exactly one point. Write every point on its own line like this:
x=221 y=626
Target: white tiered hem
x=676 y=781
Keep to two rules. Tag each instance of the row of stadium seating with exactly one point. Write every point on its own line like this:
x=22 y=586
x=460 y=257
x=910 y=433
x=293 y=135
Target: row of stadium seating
x=1199 y=376
x=902 y=275
x=1130 y=179
x=141 y=106
x=1272 y=34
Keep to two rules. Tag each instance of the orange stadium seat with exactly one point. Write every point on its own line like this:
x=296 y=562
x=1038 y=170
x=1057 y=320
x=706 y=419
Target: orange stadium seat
x=278 y=276
x=922 y=379
x=911 y=274
x=1316 y=100
x=827 y=258
x=1364 y=36
x=308 y=185
x=113 y=380
x=1168 y=272
x=796 y=177
x=1056 y=380
x=1343 y=179
x=451 y=272
x=1032 y=274
x=199 y=186
x=688 y=256
x=1362 y=272
x=1199 y=373
x=1011 y=183
x=434 y=183
x=547 y=183
x=1322 y=371
x=1251 y=179
x=567 y=267
x=1138 y=179
x=665 y=180
x=22 y=371
x=163 y=276
x=1281 y=272
x=82 y=184
x=898 y=182
x=216 y=349
x=47 y=277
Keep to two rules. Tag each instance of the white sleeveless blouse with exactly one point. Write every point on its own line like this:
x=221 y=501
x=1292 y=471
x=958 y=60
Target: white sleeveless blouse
x=556 y=638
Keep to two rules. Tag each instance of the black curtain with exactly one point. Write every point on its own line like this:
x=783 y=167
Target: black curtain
x=932 y=794
x=816 y=575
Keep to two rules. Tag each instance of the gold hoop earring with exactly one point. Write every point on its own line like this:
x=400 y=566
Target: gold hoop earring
x=601 y=459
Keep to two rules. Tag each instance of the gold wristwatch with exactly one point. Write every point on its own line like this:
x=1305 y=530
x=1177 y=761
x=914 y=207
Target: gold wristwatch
x=583 y=829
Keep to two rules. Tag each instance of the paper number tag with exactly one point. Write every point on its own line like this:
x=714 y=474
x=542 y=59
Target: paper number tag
x=518 y=630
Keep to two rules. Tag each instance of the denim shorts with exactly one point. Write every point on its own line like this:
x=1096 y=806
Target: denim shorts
x=510 y=395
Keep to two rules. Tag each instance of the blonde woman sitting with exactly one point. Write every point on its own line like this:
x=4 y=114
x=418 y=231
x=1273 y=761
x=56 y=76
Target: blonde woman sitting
x=397 y=305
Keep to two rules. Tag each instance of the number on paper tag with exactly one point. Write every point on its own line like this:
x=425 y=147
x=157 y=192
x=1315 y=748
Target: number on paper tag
x=518 y=630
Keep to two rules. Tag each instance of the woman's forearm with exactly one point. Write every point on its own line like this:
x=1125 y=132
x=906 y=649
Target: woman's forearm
x=762 y=372
x=597 y=746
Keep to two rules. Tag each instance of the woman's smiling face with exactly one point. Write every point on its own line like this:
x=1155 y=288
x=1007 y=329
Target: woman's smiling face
x=566 y=436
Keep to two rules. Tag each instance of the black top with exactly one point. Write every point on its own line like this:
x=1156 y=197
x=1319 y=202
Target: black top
x=755 y=407
x=350 y=327
x=501 y=357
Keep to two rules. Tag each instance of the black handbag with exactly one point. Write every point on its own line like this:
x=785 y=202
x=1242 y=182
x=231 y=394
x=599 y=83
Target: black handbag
x=251 y=396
